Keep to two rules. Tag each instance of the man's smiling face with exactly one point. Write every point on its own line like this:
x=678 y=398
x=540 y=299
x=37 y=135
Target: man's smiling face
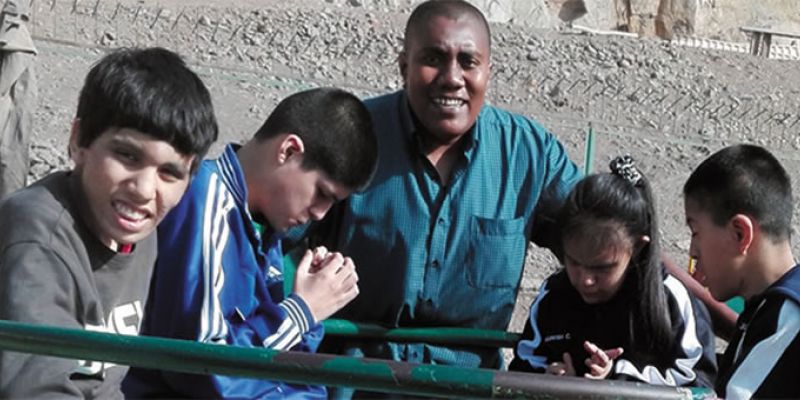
x=446 y=69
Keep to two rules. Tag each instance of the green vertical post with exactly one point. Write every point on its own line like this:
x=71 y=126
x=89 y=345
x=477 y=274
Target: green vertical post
x=588 y=158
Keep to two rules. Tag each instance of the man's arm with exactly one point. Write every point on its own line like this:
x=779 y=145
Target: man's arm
x=36 y=287
x=560 y=175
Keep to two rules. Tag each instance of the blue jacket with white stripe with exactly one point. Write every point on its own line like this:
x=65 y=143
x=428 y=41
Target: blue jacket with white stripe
x=217 y=280
x=560 y=321
x=763 y=359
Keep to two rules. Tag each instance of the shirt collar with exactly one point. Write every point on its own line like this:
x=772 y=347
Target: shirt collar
x=232 y=172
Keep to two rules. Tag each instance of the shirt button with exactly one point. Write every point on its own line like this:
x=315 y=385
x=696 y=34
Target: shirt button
x=441 y=221
x=435 y=263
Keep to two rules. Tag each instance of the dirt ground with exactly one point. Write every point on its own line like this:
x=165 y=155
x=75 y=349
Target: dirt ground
x=668 y=106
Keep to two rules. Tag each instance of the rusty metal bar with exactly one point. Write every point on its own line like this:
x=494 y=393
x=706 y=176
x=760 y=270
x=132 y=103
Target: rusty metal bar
x=322 y=369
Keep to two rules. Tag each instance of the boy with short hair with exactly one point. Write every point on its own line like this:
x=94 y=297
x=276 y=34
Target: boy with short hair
x=219 y=279
x=739 y=208
x=77 y=247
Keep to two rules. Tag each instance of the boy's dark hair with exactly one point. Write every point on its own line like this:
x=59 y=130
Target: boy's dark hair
x=337 y=132
x=744 y=179
x=152 y=91
x=624 y=198
x=448 y=8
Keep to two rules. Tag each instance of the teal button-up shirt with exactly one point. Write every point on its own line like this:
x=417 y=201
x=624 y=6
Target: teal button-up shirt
x=450 y=255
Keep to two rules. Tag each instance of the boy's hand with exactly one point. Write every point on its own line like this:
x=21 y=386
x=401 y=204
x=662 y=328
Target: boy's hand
x=562 y=368
x=327 y=281
x=600 y=361
x=319 y=255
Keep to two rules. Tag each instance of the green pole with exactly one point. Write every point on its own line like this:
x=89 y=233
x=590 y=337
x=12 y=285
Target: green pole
x=588 y=158
x=321 y=369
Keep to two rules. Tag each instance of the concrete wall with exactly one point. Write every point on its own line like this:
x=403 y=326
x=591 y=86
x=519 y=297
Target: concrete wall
x=722 y=18
x=716 y=19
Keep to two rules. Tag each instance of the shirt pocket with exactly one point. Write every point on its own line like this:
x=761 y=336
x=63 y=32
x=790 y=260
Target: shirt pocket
x=496 y=252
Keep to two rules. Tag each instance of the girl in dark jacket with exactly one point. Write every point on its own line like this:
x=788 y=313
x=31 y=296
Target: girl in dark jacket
x=613 y=312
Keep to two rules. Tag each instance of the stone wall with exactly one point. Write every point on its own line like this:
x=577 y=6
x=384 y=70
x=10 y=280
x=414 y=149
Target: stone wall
x=716 y=19
x=721 y=19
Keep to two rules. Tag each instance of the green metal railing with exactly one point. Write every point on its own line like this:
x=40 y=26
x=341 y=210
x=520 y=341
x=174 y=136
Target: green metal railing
x=442 y=336
x=319 y=369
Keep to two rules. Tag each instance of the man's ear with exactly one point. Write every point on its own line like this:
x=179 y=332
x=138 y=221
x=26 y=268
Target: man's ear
x=742 y=229
x=73 y=148
x=402 y=63
x=290 y=146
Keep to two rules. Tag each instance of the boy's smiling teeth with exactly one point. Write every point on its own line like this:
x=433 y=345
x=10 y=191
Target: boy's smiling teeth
x=128 y=212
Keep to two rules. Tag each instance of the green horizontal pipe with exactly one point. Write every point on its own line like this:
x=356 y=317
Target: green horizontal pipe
x=320 y=369
x=448 y=336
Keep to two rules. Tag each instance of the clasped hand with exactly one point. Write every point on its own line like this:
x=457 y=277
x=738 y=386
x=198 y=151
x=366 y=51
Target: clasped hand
x=326 y=281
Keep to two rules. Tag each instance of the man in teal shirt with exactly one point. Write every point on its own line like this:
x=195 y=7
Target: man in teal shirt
x=440 y=235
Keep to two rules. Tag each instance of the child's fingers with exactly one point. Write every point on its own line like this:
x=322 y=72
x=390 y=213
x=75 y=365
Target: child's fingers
x=348 y=293
x=320 y=252
x=595 y=371
x=590 y=347
x=347 y=277
x=305 y=263
x=613 y=354
x=597 y=354
x=342 y=266
x=347 y=266
x=556 y=368
x=570 y=368
x=333 y=262
x=594 y=352
x=352 y=292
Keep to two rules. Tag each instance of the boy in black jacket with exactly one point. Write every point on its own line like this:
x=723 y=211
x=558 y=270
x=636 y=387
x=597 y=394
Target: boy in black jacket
x=739 y=209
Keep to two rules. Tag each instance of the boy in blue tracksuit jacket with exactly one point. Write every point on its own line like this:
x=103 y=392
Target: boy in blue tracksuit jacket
x=219 y=280
x=739 y=207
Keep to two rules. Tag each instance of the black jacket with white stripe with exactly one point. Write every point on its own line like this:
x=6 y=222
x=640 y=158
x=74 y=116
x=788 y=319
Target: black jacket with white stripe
x=560 y=321
x=763 y=359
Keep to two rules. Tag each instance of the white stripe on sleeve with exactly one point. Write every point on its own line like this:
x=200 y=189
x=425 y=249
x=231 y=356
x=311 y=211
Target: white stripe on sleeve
x=762 y=358
x=213 y=327
x=683 y=373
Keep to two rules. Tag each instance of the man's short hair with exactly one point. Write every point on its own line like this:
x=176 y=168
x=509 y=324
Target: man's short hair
x=452 y=9
x=152 y=91
x=337 y=132
x=744 y=179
